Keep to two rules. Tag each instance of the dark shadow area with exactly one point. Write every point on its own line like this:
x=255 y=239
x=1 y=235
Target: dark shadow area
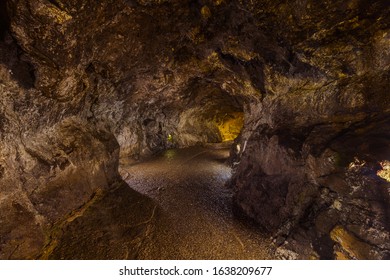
x=13 y=57
x=4 y=19
x=11 y=54
x=115 y=227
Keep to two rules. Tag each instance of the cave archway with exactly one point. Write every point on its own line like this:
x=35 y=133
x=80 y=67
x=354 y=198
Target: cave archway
x=210 y=115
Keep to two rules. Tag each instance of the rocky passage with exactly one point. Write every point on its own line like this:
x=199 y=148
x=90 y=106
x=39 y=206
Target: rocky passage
x=305 y=84
x=184 y=212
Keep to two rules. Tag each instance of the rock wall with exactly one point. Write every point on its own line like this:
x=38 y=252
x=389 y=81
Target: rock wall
x=86 y=82
x=50 y=165
x=316 y=141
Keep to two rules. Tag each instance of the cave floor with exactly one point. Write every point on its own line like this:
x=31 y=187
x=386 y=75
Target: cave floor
x=177 y=208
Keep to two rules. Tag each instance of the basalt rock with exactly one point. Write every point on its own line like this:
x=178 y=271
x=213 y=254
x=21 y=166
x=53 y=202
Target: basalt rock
x=85 y=83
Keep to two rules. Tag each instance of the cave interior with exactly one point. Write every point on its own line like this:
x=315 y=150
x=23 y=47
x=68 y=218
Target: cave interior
x=294 y=94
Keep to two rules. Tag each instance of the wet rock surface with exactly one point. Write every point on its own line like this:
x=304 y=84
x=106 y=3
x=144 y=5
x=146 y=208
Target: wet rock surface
x=84 y=83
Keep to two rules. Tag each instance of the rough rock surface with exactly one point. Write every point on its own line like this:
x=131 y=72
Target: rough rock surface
x=86 y=82
x=315 y=142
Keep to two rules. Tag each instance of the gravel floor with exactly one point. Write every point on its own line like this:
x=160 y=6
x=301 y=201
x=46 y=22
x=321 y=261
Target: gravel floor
x=177 y=207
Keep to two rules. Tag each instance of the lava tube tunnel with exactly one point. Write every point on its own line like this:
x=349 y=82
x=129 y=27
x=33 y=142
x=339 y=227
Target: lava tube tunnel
x=194 y=129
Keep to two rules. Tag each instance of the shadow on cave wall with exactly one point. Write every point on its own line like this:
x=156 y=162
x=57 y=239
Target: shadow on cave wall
x=11 y=54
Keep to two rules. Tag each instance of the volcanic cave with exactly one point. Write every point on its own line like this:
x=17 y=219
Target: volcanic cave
x=194 y=129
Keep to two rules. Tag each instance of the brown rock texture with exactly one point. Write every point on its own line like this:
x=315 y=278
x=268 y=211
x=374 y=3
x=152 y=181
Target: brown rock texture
x=314 y=144
x=84 y=83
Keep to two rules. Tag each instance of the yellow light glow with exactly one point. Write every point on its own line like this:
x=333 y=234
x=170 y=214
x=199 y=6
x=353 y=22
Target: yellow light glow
x=385 y=172
x=230 y=125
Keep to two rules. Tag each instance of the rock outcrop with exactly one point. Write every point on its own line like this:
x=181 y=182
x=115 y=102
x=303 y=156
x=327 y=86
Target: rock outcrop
x=84 y=83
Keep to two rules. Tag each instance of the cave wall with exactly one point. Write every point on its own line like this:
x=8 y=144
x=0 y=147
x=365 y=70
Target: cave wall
x=50 y=165
x=86 y=82
x=316 y=141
